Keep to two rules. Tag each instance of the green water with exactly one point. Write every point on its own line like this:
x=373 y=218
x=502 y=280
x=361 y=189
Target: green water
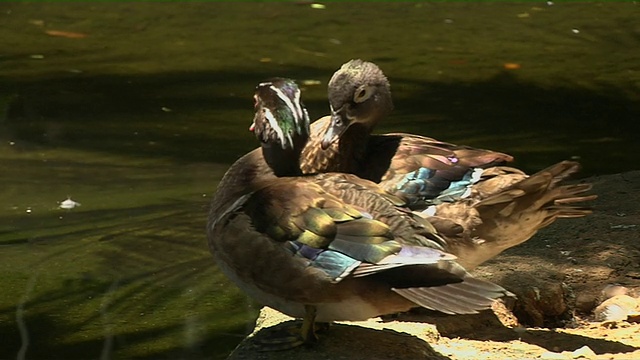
x=139 y=119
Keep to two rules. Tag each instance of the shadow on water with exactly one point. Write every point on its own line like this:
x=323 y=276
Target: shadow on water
x=536 y=124
x=198 y=117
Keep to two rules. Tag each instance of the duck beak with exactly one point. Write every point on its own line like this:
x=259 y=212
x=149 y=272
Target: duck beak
x=335 y=130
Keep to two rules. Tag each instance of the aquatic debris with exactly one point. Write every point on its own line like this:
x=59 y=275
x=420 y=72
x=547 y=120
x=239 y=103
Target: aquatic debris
x=310 y=82
x=318 y=6
x=69 y=204
x=511 y=66
x=37 y=56
x=36 y=22
x=65 y=34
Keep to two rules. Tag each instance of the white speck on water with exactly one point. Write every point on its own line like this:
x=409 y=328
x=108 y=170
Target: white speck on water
x=69 y=204
x=575 y=31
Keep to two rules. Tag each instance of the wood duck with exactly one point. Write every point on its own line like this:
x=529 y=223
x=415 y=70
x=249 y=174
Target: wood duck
x=326 y=247
x=482 y=206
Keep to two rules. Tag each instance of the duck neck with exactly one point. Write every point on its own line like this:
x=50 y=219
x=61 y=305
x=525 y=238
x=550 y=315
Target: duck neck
x=283 y=162
x=353 y=147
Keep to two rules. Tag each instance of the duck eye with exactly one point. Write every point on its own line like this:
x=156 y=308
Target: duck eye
x=362 y=94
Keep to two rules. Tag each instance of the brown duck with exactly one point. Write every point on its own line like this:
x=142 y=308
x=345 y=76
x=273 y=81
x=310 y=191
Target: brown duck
x=483 y=207
x=330 y=246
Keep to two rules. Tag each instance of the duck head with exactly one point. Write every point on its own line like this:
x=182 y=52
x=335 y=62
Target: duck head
x=359 y=93
x=281 y=123
x=280 y=117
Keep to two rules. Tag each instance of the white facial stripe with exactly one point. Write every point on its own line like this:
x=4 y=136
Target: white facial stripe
x=286 y=100
x=298 y=108
x=290 y=140
x=275 y=126
x=306 y=118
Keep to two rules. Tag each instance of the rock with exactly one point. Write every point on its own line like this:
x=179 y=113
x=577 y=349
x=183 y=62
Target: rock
x=612 y=290
x=541 y=301
x=583 y=352
x=585 y=303
x=549 y=355
x=616 y=308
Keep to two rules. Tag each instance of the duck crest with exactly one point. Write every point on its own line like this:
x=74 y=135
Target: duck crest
x=281 y=123
x=281 y=114
x=352 y=77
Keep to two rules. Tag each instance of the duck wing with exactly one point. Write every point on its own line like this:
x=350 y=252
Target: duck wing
x=506 y=208
x=424 y=171
x=302 y=231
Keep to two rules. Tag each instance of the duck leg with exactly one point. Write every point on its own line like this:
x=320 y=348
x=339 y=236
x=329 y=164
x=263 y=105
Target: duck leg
x=308 y=331
x=290 y=335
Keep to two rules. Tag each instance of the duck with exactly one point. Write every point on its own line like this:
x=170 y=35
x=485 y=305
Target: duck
x=419 y=169
x=326 y=247
x=484 y=206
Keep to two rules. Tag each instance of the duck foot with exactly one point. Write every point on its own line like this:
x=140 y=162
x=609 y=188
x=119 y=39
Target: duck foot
x=289 y=336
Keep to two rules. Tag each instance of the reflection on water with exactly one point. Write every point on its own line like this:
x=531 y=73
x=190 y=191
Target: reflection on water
x=126 y=273
x=140 y=116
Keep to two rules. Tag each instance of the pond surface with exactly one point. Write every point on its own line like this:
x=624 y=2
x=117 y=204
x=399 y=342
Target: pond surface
x=135 y=110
